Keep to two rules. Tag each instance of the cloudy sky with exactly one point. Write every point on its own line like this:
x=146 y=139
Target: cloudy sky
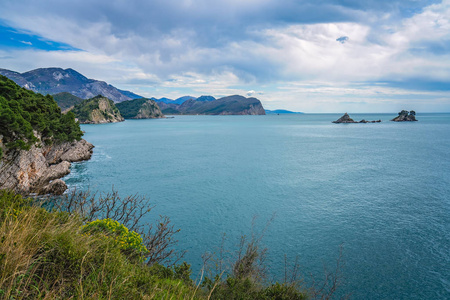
x=302 y=55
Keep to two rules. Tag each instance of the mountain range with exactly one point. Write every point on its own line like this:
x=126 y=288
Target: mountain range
x=208 y=105
x=57 y=80
x=69 y=88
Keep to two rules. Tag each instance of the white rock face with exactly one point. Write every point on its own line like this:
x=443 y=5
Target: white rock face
x=39 y=169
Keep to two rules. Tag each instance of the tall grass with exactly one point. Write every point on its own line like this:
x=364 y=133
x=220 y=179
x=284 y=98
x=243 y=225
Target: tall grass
x=45 y=255
x=50 y=255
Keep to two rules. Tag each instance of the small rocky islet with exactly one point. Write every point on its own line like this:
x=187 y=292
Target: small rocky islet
x=346 y=119
x=403 y=116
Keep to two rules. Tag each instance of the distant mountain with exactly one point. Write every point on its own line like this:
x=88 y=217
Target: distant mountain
x=129 y=94
x=205 y=98
x=97 y=110
x=163 y=100
x=183 y=99
x=177 y=101
x=56 y=80
x=231 y=105
x=66 y=100
x=281 y=111
x=139 y=109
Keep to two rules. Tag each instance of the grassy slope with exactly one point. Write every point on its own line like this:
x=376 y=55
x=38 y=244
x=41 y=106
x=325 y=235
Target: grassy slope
x=47 y=255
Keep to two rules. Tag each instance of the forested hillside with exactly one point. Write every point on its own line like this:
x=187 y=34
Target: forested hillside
x=25 y=114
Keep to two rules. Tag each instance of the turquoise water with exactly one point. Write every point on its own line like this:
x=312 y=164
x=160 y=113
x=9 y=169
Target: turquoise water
x=381 y=190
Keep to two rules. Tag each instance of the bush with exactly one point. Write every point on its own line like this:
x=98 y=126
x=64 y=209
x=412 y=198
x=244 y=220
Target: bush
x=128 y=241
x=46 y=255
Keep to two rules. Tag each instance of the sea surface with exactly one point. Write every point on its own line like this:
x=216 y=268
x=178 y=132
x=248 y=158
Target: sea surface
x=381 y=192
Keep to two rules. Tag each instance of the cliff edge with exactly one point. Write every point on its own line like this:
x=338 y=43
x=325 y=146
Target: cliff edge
x=37 y=142
x=97 y=110
x=39 y=169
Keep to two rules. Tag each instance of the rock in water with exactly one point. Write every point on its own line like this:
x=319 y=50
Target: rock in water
x=345 y=119
x=405 y=116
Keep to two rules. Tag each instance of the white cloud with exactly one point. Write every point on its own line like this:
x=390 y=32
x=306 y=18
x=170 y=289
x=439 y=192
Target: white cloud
x=242 y=47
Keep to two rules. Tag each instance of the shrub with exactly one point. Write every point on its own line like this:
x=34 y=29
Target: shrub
x=128 y=241
x=46 y=255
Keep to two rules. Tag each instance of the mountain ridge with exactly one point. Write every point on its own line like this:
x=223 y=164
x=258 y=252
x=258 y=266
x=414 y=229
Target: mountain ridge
x=55 y=80
x=208 y=105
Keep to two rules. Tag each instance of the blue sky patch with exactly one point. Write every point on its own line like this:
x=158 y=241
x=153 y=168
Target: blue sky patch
x=13 y=38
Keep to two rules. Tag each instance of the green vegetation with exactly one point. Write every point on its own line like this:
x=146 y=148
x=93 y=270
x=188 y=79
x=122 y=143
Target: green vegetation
x=139 y=108
x=23 y=111
x=129 y=242
x=66 y=100
x=46 y=255
x=65 y=254
x=83 y=111
x=129 y=109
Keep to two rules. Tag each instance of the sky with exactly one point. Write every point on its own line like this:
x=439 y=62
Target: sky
x=309 y=56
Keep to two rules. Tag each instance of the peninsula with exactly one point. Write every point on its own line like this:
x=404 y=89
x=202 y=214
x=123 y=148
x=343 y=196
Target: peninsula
x=37 y=142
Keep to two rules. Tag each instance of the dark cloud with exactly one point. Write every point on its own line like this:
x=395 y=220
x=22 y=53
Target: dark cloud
x=164 y=37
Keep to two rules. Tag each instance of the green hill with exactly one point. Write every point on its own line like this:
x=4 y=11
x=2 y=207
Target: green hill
x=66 y=100
x=231 y=105
x=139 y=109
x=23 y=112
x=97 y=110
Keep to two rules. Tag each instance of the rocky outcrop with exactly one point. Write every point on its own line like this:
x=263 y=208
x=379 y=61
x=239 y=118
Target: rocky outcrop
x=38 y=170
x=140 y=109
x=346 y=119
x=405 y=116
x=97 y=110
x=149 y=110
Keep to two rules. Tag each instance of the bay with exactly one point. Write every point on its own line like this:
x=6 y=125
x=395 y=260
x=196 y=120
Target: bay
x=381 y=190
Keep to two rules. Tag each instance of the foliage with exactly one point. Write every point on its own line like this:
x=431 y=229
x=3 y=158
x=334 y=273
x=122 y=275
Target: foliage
x=84 y=109
x=129 y=109
x=46 y=255
x=66 y=100
x=12 y=204
x=130 y=211
x=129 y=242
x=23 y=111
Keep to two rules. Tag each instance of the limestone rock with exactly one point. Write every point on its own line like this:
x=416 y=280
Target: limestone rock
x=97 y=110
x=55 y=187
x=32 y=171
x=405 y=116
x=345 y=119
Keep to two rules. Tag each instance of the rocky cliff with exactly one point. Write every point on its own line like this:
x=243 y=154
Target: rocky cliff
x=405 y=116
x=39 y=169
x=140 y=109
x=97 y=110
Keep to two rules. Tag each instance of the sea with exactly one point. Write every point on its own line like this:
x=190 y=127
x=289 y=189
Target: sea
x=373 y=198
